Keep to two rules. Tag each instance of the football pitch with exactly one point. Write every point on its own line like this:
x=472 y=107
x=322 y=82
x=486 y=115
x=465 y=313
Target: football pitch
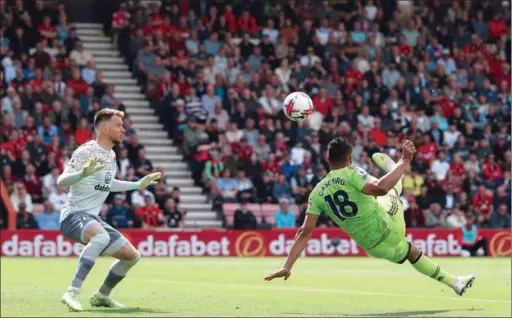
x=234 y=287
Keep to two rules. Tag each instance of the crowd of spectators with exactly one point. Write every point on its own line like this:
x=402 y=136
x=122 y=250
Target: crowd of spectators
x=438 y=74
x=50 y=91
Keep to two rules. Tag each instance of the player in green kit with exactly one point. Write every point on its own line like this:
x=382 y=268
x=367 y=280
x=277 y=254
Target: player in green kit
x=369 y=211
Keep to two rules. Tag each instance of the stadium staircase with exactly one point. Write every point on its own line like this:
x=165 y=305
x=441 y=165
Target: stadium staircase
x=160 y=149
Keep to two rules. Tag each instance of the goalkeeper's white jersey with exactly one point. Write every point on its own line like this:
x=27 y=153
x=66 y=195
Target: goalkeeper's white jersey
x=89 y=194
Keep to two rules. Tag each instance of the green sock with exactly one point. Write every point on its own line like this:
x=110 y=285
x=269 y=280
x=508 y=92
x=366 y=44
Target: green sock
x=430 y=268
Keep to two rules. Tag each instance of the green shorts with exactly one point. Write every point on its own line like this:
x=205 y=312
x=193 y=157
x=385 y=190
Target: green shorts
x=395 y=247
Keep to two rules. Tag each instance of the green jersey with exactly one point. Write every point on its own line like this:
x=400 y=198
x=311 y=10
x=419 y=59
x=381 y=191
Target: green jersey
x=339 y=196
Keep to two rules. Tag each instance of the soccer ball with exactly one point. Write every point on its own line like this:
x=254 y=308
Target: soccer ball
x=298 y=106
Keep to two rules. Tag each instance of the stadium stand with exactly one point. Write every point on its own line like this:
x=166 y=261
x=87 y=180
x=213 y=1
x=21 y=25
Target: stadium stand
x=213 y=75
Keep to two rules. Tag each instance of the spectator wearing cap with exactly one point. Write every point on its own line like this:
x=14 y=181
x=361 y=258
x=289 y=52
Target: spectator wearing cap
x=281 y=188
x=173 y=214
x=244 y=218
x=48 y=219
x=472 y=243
x=118 y=216
x=152 y=216
x=25 y=219
x=285 y=218
x=228 y=186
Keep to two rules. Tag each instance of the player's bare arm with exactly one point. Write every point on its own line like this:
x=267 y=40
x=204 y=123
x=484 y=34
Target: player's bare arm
x=301 y=240
x=381 y=186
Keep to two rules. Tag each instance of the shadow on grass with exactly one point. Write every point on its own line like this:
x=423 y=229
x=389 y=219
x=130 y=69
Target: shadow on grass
x=418 y=313
x=125 y=311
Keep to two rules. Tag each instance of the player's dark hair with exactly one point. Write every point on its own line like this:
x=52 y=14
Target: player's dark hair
x=339 y=150
x=106 y=115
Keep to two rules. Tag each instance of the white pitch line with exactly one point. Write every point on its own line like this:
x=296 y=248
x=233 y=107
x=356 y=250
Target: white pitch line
x=345 y=292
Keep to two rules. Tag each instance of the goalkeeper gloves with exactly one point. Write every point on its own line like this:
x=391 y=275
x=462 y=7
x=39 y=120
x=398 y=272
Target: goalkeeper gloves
x=150 y=179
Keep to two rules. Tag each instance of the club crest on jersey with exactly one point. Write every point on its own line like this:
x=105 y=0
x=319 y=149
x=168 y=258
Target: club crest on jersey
x=108 y=178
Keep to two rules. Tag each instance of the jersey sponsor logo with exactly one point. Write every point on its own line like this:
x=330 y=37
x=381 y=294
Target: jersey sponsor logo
x=500 y=244
x=102 y=188
x=108 y=178
x=250 y=244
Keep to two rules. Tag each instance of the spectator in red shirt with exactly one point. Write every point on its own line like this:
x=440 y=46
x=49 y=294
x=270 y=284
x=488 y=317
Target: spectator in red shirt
x=47 y=31
x=83 y=133
x=152 y=216
x=497 y=26
x=247 y=23
x=230 y=18
x=120 y=21
x=322 y=102
x=428 y=150
x=32 y=184
x=78 y=84
x=244 y=150
x=377 y=133
x=447 y=104
x=491 y=170
x=482 y=203
x=457 y=167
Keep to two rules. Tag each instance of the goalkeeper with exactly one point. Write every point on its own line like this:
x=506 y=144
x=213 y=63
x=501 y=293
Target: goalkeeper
x=90 y=177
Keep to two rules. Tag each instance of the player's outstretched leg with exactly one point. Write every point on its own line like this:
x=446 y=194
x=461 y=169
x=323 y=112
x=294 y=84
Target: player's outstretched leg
x=98 y=239
x=386 y=163
x=127 y=257
x=430 y=268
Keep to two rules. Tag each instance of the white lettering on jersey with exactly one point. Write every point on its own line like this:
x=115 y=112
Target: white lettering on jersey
x=89 y=194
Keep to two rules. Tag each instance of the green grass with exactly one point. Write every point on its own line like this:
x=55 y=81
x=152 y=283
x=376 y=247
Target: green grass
x=235 y=287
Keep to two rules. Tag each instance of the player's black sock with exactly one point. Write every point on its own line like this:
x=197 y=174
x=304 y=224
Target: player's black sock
x=117 y=272
x=88 y=258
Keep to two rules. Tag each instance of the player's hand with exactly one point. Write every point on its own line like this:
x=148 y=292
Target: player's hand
x=90 y=167
x=283 y=272
x=150 y=179
x=408 y=150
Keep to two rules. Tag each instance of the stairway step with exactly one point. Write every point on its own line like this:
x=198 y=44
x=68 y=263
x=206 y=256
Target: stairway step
x=189 y=223
x=119 y=81
x=87 y=25
x=155 y=126
x=105 y=53
x=137 y=118
x=172 y=158
x=180 y=182
x=140 y=105
x=206 y=216
x=152 y=134
x=111 y=67
x=196 y=198
x=88 y=32
x=96 y=38
x=128 y=88
x=141 y=110
x=158 y=142
x=168 y=165
x=91 y=46
x=108 y=59
x=116 y=75
x=129 y=96
x=196 y=206
x=176 y=174
x=160 y=150
x=190 y=190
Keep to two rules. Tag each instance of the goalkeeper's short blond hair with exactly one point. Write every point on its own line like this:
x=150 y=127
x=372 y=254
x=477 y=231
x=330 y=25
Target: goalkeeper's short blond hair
x=106 y=115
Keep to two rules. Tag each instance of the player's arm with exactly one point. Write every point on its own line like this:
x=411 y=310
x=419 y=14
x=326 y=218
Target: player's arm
x=78 y=168
x=143 y=183
x=301 y=239
x=381 y=186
